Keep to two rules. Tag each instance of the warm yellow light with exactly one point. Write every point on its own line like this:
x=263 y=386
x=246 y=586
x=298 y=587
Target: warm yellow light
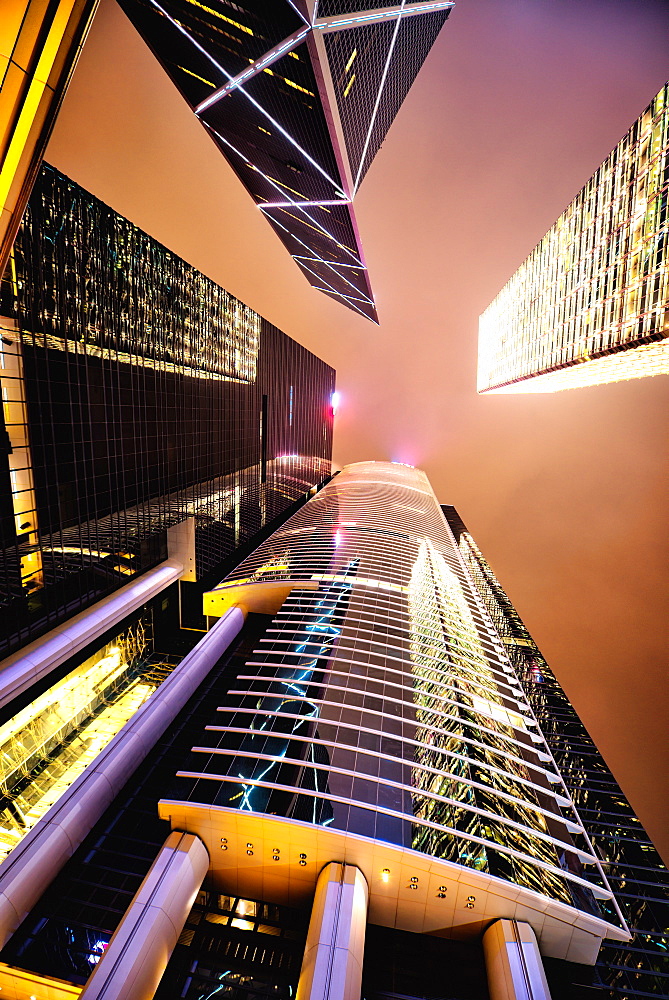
x=590 y=304
x=385 y=875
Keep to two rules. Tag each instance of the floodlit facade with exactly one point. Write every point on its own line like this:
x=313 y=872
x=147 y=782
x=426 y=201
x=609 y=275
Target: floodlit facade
x=591 y=302
x=633 y=867
x=298 y=100
x=147 y=413
x=376 y=787
x=153 y=428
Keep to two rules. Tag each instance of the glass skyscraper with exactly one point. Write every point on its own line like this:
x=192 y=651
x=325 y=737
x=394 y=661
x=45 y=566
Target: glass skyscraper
x=380 y=776
x=138 y=395
x=298 y=97
x=153 y=427
x=633 y=867
x=590 y=303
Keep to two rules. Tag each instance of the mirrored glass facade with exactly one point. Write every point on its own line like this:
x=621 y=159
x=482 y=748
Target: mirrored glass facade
x=381 y=703
x=633 y=867
x=591 y=302
x=136 y=393
x=298 y=98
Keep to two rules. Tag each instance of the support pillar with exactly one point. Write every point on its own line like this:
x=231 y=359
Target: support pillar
x=37 y=859
x=332 y=964
x=140 y=948
x=513 y=962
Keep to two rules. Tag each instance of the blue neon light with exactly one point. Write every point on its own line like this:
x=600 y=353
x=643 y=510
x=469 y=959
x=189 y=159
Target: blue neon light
x=273 y=734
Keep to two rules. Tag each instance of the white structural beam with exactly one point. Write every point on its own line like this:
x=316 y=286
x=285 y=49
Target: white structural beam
x=322 y=24
x=332 y=964
x=326 y=90
x=37 y=859
x=140 y=948
x=513 y=962
x=271 y=56
x=27 y=666
x=377 y=102
x=339 y=22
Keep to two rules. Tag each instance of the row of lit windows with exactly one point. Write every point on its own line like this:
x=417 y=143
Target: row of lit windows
x=598 y=279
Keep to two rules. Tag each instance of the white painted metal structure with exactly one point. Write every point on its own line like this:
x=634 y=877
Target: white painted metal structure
x=333 y=954
x=513 y=962
x=139 y=950
x=380 y=723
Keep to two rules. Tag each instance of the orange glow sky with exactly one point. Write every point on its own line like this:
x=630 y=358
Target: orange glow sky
x=517 y=104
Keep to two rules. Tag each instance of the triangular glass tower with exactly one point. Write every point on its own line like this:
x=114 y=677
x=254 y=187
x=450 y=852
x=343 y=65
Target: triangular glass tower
x=298 y=96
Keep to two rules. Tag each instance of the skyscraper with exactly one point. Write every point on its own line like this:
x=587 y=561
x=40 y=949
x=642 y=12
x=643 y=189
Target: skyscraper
x=153 y=426
x=591 y=302
x=633 y=867
x=298 y=99
x=139 y=396
x=384 y=782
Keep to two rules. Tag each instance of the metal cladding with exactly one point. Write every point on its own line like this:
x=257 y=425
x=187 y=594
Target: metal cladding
x=591 y=302
x=381 y=702
x=298 y=97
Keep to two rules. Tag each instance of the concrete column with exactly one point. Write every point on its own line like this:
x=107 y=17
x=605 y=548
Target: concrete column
x=332 y=964
x=37 y=859
x=181 y=546
x=513 y=962
x=140 y=948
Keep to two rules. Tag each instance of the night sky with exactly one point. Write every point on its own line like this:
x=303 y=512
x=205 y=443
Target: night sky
x=516 y=106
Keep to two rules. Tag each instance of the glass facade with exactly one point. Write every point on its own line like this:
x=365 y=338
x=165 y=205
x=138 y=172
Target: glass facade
x=395 y=697
x=51 y=741
x=590 y=303
x=298 y=107
x=69 y=930
x=633 y=867
x=253 y=951
x=137 y=393
x=381 y=703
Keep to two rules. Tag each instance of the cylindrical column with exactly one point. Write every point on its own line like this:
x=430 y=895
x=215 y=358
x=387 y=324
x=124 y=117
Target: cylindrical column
x=30 y=664
x=513 y=962
x=332 y=964
x=38 y=858
x=141 y=946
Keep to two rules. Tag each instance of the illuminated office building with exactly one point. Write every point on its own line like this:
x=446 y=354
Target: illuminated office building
x=147 y=412
x=299 y=100
x=153 y=426
x=591 y=302
x=635 y=872
x=382 y=745
x=154 y=429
